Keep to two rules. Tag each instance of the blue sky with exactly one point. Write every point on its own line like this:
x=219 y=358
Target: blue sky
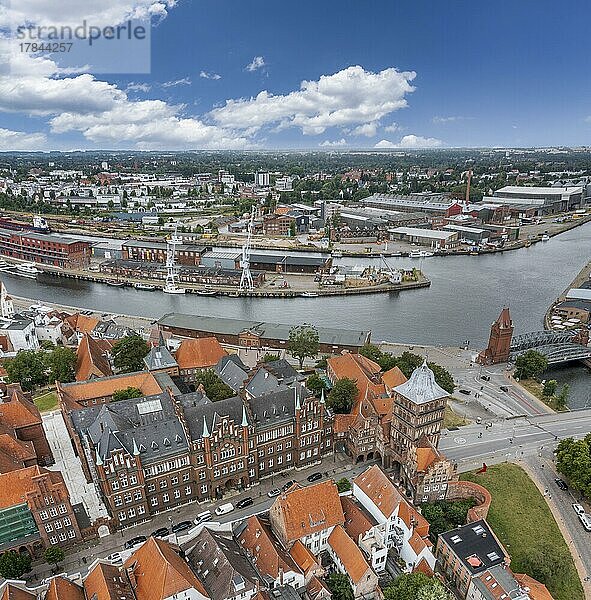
x=430 y=73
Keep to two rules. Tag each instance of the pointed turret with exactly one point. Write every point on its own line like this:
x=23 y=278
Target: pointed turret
x=322 y=401
x=99 y=460
x=297 y=398
x=244 y=417
x=205 y=429
x=136 y=450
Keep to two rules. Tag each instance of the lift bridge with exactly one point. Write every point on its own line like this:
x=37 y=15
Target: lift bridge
x=557 y=347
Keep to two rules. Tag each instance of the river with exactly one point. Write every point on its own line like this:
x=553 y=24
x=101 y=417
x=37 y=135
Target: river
x=466 y=296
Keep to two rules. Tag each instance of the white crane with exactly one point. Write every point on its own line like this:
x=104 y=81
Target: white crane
x=171 y=286
x=246 y=283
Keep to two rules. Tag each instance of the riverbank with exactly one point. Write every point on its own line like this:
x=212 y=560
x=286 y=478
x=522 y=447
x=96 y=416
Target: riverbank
x=295 y=285
x=583 y=275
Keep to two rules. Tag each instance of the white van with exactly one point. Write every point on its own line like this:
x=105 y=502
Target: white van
x=202 y=517
x=586 y=521
x=224 y=509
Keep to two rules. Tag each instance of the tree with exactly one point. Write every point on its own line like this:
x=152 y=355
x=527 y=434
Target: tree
x=416 y=586
x=316 y=384
x=303 y=342
x=530 y=364
x=127 y=393
x=443 y=377
x=46 y=345
x=562 y=398
x=372 y=352
x=339 y=586
x=547 y=564
x=61 y=363
x=54 y=555
x=268 y=357
x=342 y=395
x=215 y=388
x=343 y=485
x=573 y=460
x=128 y=353
x=444 y=515
x=550 y=388
x=14 y=565
x=28 y=369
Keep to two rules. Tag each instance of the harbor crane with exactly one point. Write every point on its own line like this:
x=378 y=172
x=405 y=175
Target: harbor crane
x=246 y=283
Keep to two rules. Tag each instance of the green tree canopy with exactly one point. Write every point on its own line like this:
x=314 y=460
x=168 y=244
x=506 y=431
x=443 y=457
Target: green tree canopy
x=27 y=368
x=268 y=357
x=342 y=396
x=128 y=353
x=343 y=485
x=54 y=555
x=530 y=364
x=339 y=586
x=444 y=515
x=562 y=397
x=14 y=565
x=303 y=343
x=550 y=387
x=126 y=393
x=573 y=460
x=215 y=388
x=61 y=363
x=316 y=384
x=416 y=586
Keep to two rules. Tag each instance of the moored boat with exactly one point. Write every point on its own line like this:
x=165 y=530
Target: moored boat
x=146 y=287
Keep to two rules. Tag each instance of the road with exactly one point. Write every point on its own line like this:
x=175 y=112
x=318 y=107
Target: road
x=82 y=557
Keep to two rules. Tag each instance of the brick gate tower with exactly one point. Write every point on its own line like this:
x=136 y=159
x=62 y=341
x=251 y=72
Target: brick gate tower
x=499 y=342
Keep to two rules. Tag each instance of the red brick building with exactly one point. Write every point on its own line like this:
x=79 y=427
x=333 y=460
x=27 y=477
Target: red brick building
x=499 y=343
x=45 y=249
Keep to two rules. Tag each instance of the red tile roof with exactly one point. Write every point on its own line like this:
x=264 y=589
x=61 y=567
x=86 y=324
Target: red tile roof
x=18 y=411
x=304 y=511
x=92 y=358
x=12 y=592
x=107 y=582
x=357 y=523
x=537 y=590
x=199 y=353
x=393 y=377
x=362 y=370
x=15 y=485
x=159 y=572
x=349 y=554
x=61 y=588
x=263 y=548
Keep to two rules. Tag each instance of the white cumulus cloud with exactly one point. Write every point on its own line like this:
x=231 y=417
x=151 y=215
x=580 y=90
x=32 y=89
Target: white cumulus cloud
x=12 y=141
x=206 y=75
x=332 y=144
x=350 y=98
x=258 y=62
x=392 y=128
x=409 y=142
x=367 y=129
x=177 y=82
x=75 y=12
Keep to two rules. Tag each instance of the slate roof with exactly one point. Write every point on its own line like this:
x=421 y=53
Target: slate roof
x=232 y=371
x=196 y=406
x=276 y=331
x=263 y=382
x=276 y=407
x=149 y=422
x=221 y=566
x=282 y=370
x=421 y=387
x=159 y=357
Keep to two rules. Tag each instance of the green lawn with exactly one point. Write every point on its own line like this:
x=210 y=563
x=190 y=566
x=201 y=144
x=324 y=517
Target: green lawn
x=46 y=402
x=522 y=521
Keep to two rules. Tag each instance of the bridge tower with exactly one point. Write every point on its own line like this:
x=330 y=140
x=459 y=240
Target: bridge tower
x=499 y=342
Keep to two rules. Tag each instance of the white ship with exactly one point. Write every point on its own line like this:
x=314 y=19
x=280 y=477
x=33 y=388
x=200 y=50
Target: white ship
x=26 y=270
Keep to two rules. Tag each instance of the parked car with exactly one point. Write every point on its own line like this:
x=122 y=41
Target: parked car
x=273 y=493
x=182 y=526
x=115 y=558
x=314 y=477
x=561 y=484
x=248 y=501
x=578 y=509
x=464 y=391
x=504 y=388
x=202 y=517
x=160 y=532
x=140 y=539
x=287 y=485
x=224 y=509
x=485 y=377
x=585 y=521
